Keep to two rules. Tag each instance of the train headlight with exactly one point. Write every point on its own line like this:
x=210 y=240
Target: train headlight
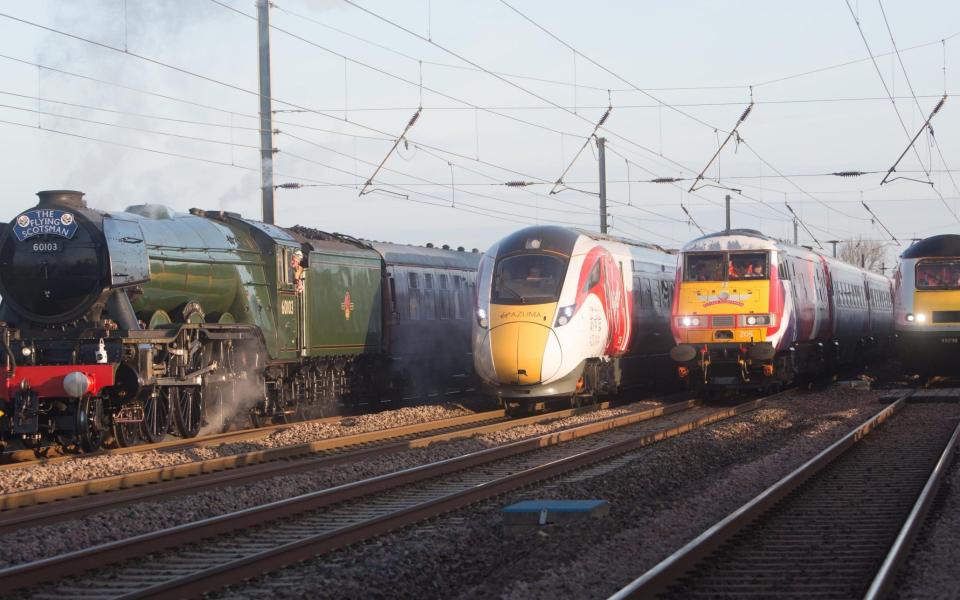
x=754 y=320
x=26 y=351
x=689 y=321
x=76 y=384
x=482 y=318
x=921 y=318
x=565 y=314
x=910 y=318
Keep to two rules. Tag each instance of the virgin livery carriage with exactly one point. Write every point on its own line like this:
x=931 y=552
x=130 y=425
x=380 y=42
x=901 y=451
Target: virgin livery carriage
x=752 y=311
x=572 y=314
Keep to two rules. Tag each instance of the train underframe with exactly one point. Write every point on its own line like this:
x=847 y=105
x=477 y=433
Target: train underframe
x=184 y=379
x=593 y=379
x=759 y=366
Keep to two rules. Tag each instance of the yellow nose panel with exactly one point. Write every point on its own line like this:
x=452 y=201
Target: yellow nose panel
x=518 y=352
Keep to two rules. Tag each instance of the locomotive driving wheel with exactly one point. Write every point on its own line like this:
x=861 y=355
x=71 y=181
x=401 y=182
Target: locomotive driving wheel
x=91 y=423
x=188 y=411
x=157 y=414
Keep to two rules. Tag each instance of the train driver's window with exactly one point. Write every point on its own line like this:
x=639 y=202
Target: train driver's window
x=746 y=266
x=704 y=267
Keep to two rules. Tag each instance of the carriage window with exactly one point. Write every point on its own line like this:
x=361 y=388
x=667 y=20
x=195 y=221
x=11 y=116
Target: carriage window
x=528 y=279
x=704 y=267
x=428 y=281
x=443 y=282
x=414 y=280
x=938 y=275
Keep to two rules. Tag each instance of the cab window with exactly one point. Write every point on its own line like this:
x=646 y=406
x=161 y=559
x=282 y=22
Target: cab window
x=704 y=267
x=527 y=279
x=745 y=266
x=938 y=275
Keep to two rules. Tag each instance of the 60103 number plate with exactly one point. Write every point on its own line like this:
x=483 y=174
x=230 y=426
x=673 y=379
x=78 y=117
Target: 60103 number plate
x=47 y=246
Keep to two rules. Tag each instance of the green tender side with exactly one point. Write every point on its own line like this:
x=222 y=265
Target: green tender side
x=344 y=302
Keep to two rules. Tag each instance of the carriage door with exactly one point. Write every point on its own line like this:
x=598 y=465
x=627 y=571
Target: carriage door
x=290 y=289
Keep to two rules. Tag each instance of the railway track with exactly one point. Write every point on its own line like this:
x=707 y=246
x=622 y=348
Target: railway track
x=14 y=459
x=211 y=553
x=838 y=526
x=46 y=505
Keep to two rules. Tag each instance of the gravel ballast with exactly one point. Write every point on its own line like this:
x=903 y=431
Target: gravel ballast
x=83 y=468
x=930 y=570
x=144 y=517
x=661 y=497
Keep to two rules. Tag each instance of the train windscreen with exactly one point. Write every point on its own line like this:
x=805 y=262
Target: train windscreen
x=704 y=267
x=528 y=279
x=744 y=266
x=938 y=275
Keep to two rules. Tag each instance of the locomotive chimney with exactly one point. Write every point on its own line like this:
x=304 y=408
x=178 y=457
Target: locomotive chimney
x=61 y=198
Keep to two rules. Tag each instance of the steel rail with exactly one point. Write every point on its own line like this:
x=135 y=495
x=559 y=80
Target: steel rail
x=78 y=561
x=882 y=584
x=68 y=501
x=668 y=570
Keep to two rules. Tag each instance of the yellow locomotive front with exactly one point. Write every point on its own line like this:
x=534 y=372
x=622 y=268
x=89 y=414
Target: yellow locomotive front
x=727 y=310
x=927 y=309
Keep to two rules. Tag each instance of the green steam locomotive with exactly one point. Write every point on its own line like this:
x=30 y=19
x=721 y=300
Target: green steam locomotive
x=126 y=326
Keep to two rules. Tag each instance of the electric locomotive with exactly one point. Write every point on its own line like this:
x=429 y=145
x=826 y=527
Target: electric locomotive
x=928 y=305
x=128 y=325
x=565 y=313
x=752 y=311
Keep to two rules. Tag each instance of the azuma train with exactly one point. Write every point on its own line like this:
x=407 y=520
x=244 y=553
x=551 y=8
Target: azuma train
x=927 y=318
x=128 y=325
x=755 y=312
x=564 y=313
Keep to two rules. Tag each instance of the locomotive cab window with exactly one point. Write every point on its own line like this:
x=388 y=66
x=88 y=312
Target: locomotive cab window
x=938 y=275
x=704 y=267
x=745 y=266
x=527 y=279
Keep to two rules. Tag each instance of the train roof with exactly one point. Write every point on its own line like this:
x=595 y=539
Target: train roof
x=938 y=245
x=613 y=238
x=401 y=254
x=733 y=239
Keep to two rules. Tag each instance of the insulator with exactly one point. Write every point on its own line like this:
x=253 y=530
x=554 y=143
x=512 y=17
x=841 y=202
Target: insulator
x=518 y=183
x=665 y=180
x=746 y=112
x=603 y=119
x=414 y=118
x=848 y=173
x=939 y=105
x=289 y=186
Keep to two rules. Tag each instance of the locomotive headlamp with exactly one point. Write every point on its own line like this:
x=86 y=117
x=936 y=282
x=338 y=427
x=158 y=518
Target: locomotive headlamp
x=565 y=314
x=910 y=318
x=26 y=351
x=689 y=321
x=921 y=318
x=482 y=318
x=753 y=320
x=76 y=384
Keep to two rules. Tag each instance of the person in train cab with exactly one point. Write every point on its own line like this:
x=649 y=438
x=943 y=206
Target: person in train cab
x=758 y=272
x=296 y=270
x=732 y=271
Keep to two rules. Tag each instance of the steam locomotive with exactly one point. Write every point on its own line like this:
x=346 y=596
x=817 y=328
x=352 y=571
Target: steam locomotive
x=126 y=326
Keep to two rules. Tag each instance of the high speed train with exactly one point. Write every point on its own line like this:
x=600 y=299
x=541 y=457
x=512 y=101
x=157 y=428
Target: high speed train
x=564 y=313
x=927 y=305
x=753 y=311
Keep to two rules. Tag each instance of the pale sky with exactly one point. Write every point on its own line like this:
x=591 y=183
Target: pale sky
x=696 y=60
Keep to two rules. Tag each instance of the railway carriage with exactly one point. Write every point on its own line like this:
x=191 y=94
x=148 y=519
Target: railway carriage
x=132 y=324
x=928 y=306
x=753 y=311
x=564 y=313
